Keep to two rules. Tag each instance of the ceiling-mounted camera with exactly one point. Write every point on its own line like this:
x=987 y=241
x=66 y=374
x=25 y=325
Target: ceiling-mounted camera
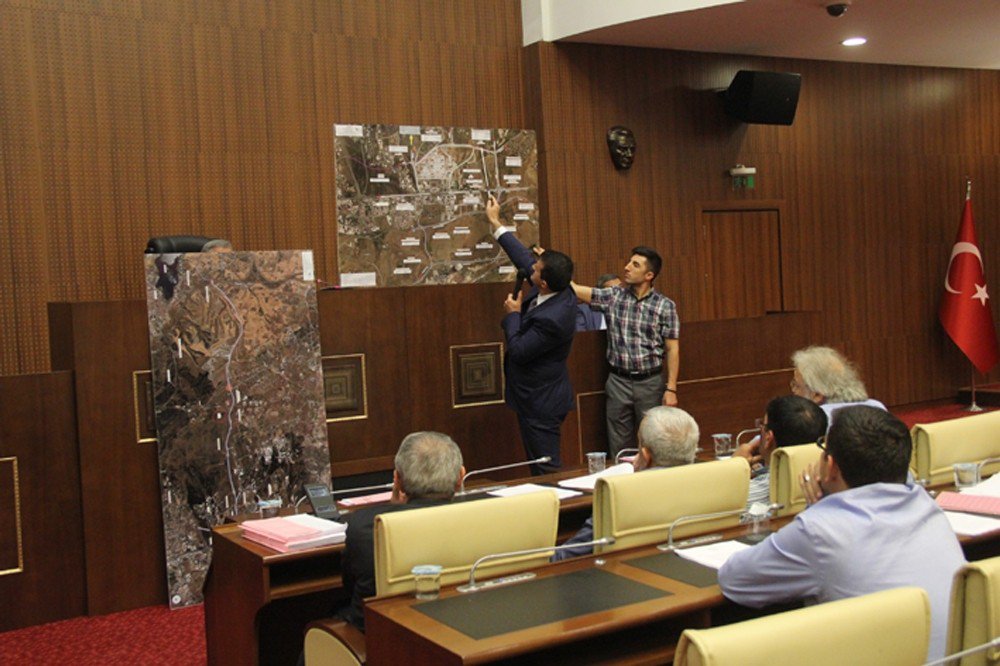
x=837 y=9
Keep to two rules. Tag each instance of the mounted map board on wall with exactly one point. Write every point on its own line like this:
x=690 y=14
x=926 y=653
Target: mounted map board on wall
x=411 y=202
x=238 y=386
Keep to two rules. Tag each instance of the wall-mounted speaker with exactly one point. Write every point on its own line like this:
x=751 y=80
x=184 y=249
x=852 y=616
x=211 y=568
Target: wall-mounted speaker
x=768 y=98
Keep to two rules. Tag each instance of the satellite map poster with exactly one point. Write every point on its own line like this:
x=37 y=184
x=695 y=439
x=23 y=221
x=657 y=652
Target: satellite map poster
x=238 y=386
x=411 y=202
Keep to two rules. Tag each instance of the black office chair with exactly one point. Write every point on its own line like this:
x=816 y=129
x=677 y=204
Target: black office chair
x=174 y=244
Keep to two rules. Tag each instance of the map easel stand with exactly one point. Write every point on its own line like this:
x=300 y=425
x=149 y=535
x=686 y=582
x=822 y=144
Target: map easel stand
x=973 y=407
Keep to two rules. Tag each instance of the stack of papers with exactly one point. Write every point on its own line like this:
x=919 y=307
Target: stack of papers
x=587 y=482
x=363 y=500
x=526 y=488
x=969 y=503
x=288 y=533
x=990 y=487
x=713 y=555
x=970 y=525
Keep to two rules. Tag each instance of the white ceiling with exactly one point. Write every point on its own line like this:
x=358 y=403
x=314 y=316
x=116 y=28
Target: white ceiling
x=937 y=33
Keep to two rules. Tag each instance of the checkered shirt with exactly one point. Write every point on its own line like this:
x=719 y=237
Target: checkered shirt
x=637 y=329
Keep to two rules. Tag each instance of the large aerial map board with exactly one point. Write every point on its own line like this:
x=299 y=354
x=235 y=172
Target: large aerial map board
x=238 y=386
x=411 y=202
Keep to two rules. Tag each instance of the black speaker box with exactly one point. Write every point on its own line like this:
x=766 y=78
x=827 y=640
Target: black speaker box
x=767 y=98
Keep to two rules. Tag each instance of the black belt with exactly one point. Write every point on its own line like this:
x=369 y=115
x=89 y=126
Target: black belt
x=635 y=375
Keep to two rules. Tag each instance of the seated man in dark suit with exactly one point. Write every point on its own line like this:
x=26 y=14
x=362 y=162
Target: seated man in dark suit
x=668 y=437
x=538 y=328
x=428 y=472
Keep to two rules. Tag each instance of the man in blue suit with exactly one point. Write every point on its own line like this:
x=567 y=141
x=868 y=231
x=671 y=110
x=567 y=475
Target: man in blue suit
x=538 y=327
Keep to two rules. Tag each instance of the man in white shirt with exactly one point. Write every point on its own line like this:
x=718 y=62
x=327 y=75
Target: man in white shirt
x=870 y=531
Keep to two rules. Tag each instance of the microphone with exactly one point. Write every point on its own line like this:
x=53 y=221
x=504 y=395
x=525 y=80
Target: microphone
x=952 y=658
x=625 y=452
x=536 y=461
x=473 y=586
x=522 y=275
x=698 y=517
x=344 y=491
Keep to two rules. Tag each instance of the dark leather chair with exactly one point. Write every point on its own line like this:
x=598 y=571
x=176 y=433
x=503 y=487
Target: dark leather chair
x=174 y=244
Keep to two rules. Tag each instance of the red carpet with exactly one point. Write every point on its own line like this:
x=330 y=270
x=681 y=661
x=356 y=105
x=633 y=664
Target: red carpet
x=152 y=636
x=933 y=412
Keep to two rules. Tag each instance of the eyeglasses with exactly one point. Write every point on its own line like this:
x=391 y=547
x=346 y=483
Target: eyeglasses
x=760 y=425
x=821 y=443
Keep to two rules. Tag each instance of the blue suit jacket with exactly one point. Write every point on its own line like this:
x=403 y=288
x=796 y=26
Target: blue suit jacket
x=538 y=343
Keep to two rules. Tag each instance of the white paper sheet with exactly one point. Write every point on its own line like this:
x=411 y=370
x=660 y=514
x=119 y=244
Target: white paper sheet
x=990 y=487
x=526 y=488
x=714 y=554
x=587 y=482
x=970 y=525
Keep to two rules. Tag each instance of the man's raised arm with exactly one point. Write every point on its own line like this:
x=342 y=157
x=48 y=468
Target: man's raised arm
x=583 y=294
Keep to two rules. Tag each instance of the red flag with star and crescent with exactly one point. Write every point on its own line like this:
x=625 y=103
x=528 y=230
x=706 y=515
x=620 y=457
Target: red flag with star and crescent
x=965 y=309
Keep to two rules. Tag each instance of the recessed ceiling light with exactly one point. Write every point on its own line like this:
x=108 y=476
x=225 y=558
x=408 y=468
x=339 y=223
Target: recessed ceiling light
x=854 y=41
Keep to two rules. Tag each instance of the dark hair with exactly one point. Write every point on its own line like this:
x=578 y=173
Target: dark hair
x=652 y=257
x=870 y=445
x=604 y=279
x=557 y=269
x=795 y=420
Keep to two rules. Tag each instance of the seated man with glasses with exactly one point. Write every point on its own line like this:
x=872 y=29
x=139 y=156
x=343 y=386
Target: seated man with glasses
x=788 y=420
x=870 y=531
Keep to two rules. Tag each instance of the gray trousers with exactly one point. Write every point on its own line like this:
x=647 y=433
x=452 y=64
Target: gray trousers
x=628 y=402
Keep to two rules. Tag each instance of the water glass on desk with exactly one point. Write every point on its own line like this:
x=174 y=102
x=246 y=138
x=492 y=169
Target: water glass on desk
x=723 y=445
x=596 y=462
x=427 y=579
x=966 y=474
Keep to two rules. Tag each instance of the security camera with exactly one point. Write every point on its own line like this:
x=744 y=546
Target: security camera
x=837 y=10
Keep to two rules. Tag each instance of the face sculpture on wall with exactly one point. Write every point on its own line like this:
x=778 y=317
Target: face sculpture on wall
x=621 y=144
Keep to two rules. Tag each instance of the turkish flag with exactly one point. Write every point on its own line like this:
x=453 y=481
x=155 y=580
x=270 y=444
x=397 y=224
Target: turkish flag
x=965 y=309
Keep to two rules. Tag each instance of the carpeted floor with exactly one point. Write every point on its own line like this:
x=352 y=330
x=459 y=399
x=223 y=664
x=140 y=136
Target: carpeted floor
x=157 y=636
x=153 y=636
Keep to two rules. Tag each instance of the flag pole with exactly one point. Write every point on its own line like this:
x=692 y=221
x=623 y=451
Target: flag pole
x=973 y=407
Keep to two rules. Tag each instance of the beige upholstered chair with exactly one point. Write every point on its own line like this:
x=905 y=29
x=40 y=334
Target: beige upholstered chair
x=787 y=464
x=890 y=628
x=452 y=535
x=333 y=642
x=975 y=610
x=456 y=535
x=937 y=446
x=637 y=509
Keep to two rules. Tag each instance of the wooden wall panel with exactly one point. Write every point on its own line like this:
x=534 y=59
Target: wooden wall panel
x=124 y=120
x=104 y=343
x=38 y=433
x=870 y=177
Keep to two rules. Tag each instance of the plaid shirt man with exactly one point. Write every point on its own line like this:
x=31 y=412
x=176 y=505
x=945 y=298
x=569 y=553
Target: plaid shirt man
x=637 y=329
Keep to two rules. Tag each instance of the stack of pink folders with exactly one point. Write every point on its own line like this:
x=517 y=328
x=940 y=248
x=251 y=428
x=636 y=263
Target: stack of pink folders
x=989 y=506
x=288 y=533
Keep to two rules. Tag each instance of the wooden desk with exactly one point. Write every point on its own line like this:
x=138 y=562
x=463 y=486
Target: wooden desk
x=247 y=580
x=647 y=631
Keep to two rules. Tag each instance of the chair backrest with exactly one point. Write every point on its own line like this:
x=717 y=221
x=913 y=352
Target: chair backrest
x=637 y=509
x=333 y=642
x=173 y=244
x=882 y=629
x=787 y=464
x=937 y=446
x=456 y=535
x=975 y=610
